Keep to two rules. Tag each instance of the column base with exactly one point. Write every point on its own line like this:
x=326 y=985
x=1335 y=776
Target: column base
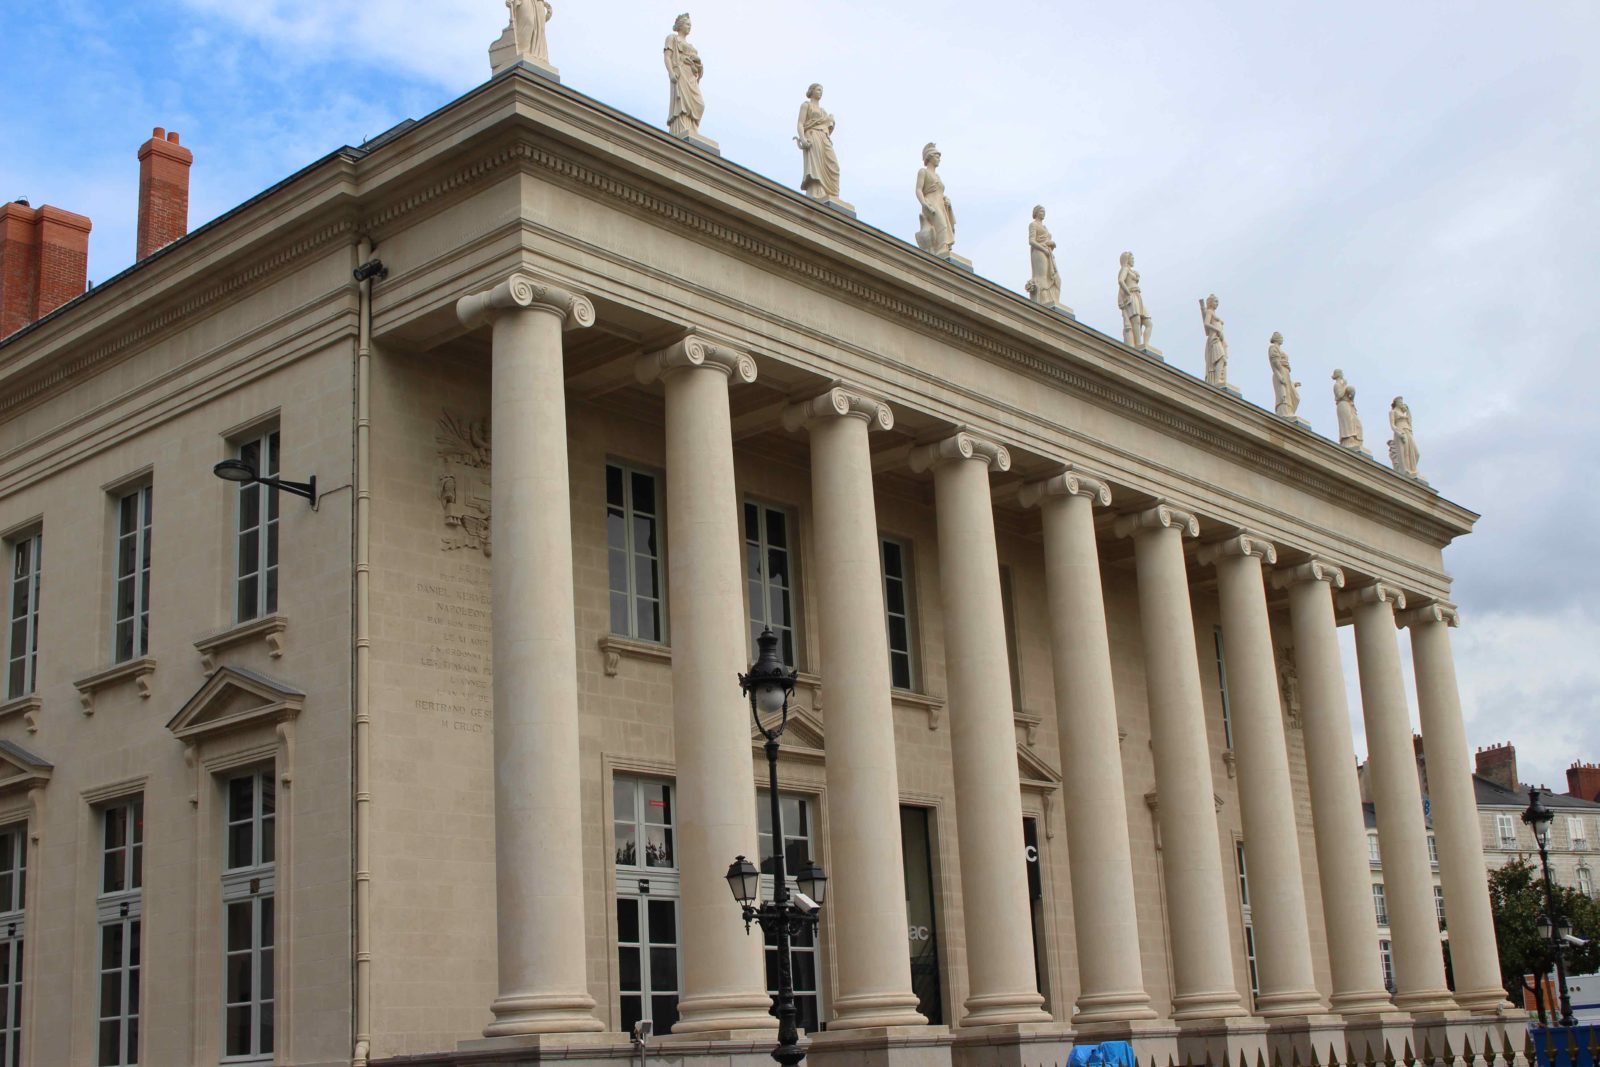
x=1362 y=1003
x=1316 y=1037
x=1106 y=1009
x=882 y=1046
x=1011 y=1045
x=876 y=1011
x=724 y=1013
x=1294 y=1004
x=1490 y=1001
x=1230 y=1040
x=1005 y=1009
x=528 y=1014
x=1154 y=1041
x=1213 y=1007
x=1426 y=1001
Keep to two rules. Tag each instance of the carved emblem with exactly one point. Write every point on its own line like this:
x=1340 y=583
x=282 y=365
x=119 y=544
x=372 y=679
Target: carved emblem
x=465 y=457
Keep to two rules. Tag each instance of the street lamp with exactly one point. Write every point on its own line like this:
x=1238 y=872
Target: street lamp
x=1552 y=926
x=769 y=685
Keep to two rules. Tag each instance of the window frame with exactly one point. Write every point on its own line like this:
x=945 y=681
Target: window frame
x=253 y=884
x=138 y=621
x=1386 y=962
x=1242 y=873
x=1433 y=850
x=806 y=943
x=13 y=935
x=1222 y=686
x=637 y=885
x=1374 y=850
x=121 y=908
x=1438 y=905
x=1505 y=829
x=628 y=512
x=31 y=581
x=790 y=645
x=1380 y=903
x=265 y=580
x=1577 y=833
x=906 y=580
x=1008 y=621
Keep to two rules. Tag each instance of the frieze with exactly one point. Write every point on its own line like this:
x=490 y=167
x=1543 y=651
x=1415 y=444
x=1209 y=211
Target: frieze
x=465 y=458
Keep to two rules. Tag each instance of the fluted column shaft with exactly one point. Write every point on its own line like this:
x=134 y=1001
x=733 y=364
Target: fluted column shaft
x=1474 y=956
x=1397 y=798
x=1340 y=831
x=1110 y=976
x=538 y=821
x=994 y=880
x=723 y=977
x=1202 y=955
x=868 y=876
x=1288 y=983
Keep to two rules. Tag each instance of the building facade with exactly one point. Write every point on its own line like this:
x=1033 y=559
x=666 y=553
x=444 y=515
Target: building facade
x=1574 y=845
x=452 y=755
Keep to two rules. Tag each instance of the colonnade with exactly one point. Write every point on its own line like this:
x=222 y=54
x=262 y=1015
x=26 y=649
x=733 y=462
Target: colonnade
x=542 y=954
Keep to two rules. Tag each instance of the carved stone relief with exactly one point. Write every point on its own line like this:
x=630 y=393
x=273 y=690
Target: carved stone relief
x=465 y=458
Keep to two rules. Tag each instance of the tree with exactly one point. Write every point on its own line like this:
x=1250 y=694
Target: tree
x=1517 y=898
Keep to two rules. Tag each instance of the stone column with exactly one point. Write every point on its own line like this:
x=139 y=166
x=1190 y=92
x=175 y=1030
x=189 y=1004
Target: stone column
x=1397 y=799
x=538 y=825
x=1266 y=798
x=723 y=972
x=1340 y=831
x=1110 y=977
x=1202 y=953
x=994 y=876
x=868 y=876
x=1474 y=955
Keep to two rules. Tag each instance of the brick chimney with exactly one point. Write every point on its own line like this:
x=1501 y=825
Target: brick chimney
x=44 y=262
x=1498 y=764
x=1583 y=781
x=163 y=191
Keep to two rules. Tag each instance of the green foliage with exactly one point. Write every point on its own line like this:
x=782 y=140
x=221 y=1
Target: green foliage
x=1517 y=898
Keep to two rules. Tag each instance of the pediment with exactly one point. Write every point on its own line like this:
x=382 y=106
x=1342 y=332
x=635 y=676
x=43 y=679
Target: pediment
x=21 y=769
x=1035 y=773
x=232 y=699
x=802 y=737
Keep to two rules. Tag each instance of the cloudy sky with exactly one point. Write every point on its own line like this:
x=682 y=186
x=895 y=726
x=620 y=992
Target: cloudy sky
x=1406 y=190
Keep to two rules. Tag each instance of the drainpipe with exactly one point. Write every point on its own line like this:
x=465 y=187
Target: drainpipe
x=361 y=667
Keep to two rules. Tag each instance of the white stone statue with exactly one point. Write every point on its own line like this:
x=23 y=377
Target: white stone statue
x=1045 y=284
x=527 y=29
x=814 y=135
x=1216 y=343
x=1285 y=390
x=1344 y=402
x=1403 y=445
x=1130 y=301
x=937 y=233
x=685 y=105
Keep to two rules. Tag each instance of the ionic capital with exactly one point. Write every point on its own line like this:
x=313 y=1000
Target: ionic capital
x=958 y=446
x=522 y=293
x=692 y=353
x=1161 y=517
x=1313 y=570
x=1374 y=593
x=1243 y=543
x=1071 y=481
x=839 y=401
x=1438 y=611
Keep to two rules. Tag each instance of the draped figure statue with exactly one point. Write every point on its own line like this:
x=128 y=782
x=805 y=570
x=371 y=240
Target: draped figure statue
x=937 y=233
x=1216 y=343
x=814 y=135
x=1285 y=390
x=685 y=105
x=1130 y=301
x=1403 y=445
x=1344 y=402
x=1045 y=284
x=527 y=29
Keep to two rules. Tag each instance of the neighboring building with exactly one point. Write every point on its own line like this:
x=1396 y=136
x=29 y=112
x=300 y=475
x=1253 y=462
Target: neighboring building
x=1380 y=893
x=457 y=745
x=1574 y=847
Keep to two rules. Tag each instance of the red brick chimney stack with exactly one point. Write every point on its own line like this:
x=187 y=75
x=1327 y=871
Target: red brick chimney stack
x=163 y=191
x=1583 y=781
x=44 y=262
x=1498 y=763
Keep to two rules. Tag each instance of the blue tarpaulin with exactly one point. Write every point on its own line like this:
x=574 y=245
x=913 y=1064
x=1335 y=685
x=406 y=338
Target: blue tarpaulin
x=1108 y=1054
x=1553 y=1045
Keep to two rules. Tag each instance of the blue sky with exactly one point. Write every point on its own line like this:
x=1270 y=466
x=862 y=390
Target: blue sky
x=1406 y=191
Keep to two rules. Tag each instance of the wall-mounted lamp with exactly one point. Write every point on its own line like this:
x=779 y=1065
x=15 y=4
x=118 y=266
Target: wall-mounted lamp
x=237 y=470
x=372 y=268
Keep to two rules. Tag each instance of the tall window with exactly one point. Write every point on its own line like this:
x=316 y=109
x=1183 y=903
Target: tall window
x=798 y=848
x=633 y=550
x=647 y=902
x=1373 y=855
x=1438 y=905
x=1249 y=926
x=1222 y=686
x=22 y=650
x=769 y=569
x=1506 y=828
x=132 y=637
x=1008 y=613
x=1577 y=833
x=120 y=911
x=1433 y=850
x=897 y=608
x=1386 y=958
x=248 y=900
x=13 y=902
x=257 y=585
x=1380 y=903
x=1585 y=881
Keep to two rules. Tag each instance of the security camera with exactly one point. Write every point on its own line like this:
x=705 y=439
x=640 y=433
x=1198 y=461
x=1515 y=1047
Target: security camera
x=806 y=905
x=372 y=268
x=642 y=1031
x=1575 y=941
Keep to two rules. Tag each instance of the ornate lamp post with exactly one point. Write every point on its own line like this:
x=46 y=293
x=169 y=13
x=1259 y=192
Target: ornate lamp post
x=769 y=685
x=1554 y=928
